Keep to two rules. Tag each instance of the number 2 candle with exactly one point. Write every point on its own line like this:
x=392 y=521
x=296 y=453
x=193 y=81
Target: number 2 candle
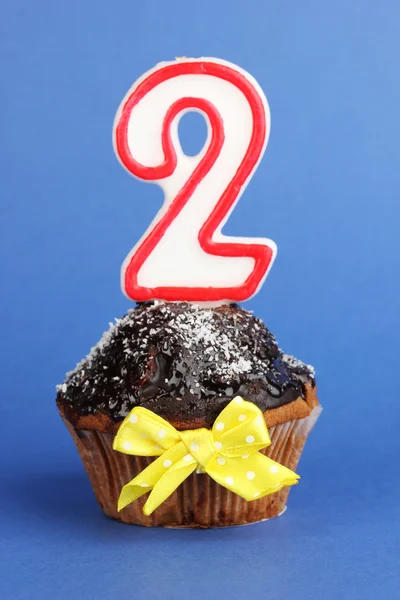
x=183 y=256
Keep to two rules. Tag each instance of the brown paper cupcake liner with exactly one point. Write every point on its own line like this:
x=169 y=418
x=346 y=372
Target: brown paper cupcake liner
x=199 y=501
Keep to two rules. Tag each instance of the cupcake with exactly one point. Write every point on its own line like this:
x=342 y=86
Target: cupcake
x=187 y=415
x=186 y=363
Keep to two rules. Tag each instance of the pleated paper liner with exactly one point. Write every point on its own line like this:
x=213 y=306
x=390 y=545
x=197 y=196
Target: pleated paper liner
x=199 y=501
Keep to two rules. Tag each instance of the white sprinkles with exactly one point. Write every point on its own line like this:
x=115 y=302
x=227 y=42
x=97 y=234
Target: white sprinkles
x=229 y=344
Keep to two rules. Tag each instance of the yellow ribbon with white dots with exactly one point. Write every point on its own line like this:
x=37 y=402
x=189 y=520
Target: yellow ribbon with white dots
x=228 y=453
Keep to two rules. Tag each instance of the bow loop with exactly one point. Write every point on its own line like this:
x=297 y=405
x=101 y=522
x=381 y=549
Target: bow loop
x=240 y=429
x=143 y=433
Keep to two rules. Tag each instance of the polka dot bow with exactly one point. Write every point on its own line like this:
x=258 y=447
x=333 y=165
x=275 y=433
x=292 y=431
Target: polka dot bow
x=228 y=453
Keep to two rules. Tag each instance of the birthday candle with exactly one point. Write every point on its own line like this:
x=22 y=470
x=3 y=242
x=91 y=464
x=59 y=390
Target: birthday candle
x=183 y=256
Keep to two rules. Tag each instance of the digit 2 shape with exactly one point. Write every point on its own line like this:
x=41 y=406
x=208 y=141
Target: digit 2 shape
x=183 y=256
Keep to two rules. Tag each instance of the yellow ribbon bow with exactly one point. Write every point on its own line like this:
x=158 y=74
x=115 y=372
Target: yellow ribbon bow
x=228 y=453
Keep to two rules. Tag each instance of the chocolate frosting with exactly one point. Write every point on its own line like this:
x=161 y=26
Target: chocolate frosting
x=183 y=361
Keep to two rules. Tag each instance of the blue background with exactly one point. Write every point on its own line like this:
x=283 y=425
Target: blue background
x=327 y=192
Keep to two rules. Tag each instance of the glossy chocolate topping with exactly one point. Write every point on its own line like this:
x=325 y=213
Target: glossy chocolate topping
x=183 y=361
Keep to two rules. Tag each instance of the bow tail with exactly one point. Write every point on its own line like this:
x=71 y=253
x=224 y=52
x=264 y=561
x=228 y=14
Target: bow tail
x=148 y=479
x=276 y=475
x=252 y=477
x=172 y=479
